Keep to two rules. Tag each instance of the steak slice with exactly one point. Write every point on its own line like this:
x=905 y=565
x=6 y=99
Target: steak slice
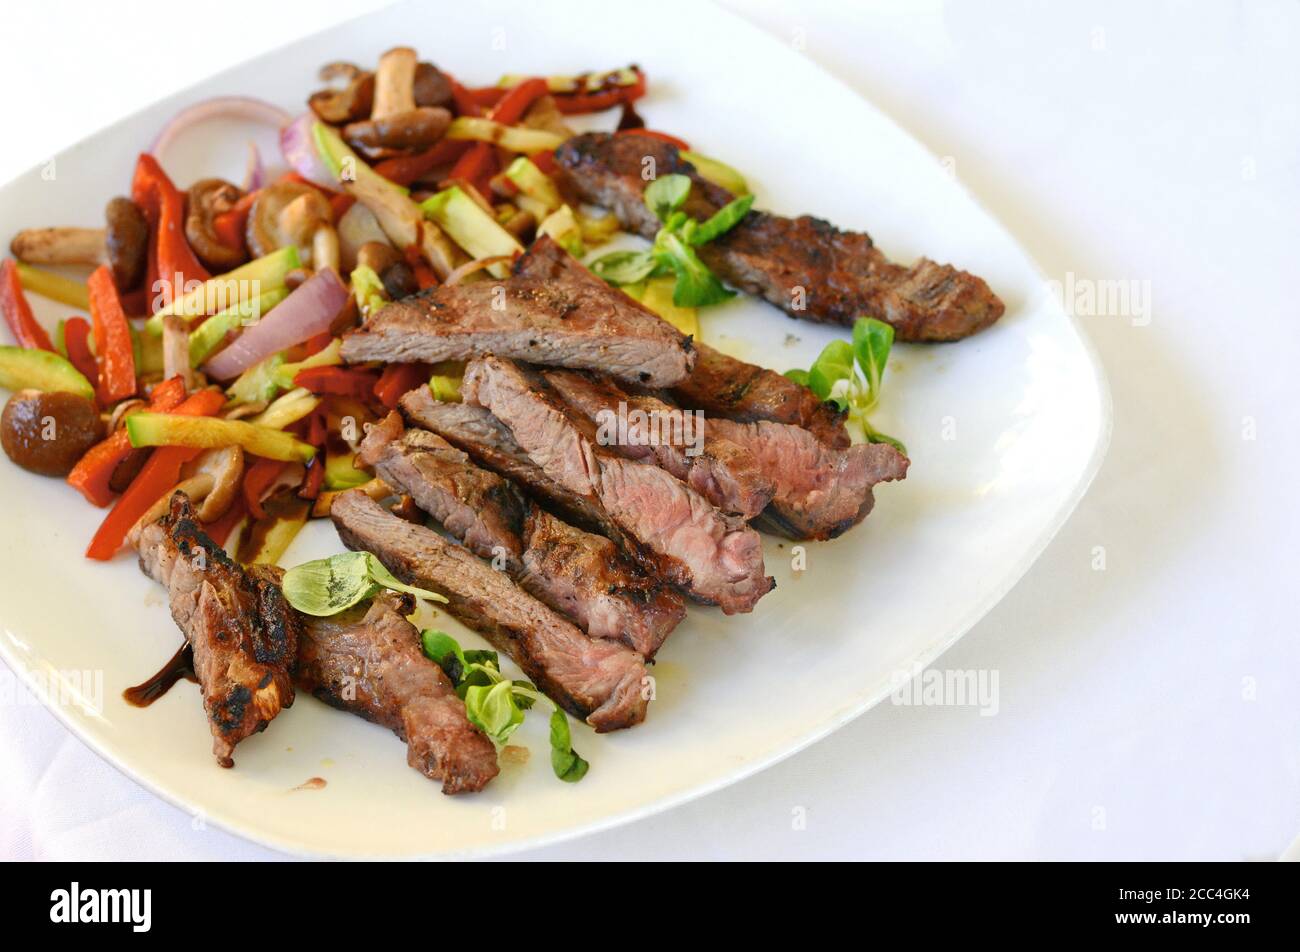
x=821 y=491
x=715 y=557
x=580 y=575
x=368 y=660
x=243 y=633
x=647 y=429
x=490 y=443
x=719 y=385
x=544 y=318
x=725 y=387
x=805 y=266
x=595 y=679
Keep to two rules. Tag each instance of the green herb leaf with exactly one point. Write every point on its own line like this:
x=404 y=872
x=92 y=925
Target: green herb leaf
x=872 y=340
x=325 y=587
x=798 y=376
x=723 y=220
x=835 y=363
x=566 y=763
x=696 y=285
x=444 y=651
x=493 y=710
x=624 y=267
x=666 y=194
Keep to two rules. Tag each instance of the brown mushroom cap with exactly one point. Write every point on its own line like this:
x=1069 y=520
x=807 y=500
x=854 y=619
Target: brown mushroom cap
x=432 y=86
x=206 y=199
x=352 y=102
x=286 y=213
x=126 y=242
x=404 y=131
x=226 y=467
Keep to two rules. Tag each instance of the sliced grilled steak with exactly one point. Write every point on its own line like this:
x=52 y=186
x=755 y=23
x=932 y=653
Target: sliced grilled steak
x=719 y=385
x=368 y=660
x=595 y=679
x=243 y=633
x=805 y=266
x=580 y=575
x=647 y=429
x=491 y=444
x=715 y=557
x=821 y=492
x=723 y=386
x=542 y=318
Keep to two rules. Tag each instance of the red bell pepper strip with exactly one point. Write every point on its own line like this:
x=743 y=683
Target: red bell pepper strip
x=396 y=380
x=465 y=102
x=405 y=169
x=478 y=165
x=76 y=333
x=160 y=473
x=486 y=96
x=314 y=433
x=164 y=208
x=112 y=338
x=424 y=276
x=18 y=313
x=654 y=134
x=230 y=225
x=545 y=162
x=314 y=345
x=256 y=481
x=576 y=103
x=342 y=381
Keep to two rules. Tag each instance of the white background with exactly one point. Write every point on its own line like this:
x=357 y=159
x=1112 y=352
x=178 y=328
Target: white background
x=1147 y=710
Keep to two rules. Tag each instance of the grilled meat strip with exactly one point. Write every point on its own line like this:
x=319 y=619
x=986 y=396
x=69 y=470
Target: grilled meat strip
x=595 y=679
x=243 y=633
x=534 y=316
x=719 y=385
x=725 y=387
x=715 y=557
x=723 y=472
x=805 y=266
x=368 y=660
x=821 y=492
x=578 y=574
x=490 y=443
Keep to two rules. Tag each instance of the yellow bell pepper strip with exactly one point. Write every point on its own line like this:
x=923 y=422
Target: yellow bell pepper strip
x=164 y=429
x=18 y=313
x=54 y=286
x=112 y=338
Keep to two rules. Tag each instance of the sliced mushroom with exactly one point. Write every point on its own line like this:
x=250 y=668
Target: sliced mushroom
x=394 y=83
x=208 y=198
x=122 y=244
x=353 y=102
x=176 y=350
x=340 y=69
x=288 y=213
x=225 y=467
x=357 y=227
x=196 y=487
x=387 y=262
x=414 y=129
x=545 y=114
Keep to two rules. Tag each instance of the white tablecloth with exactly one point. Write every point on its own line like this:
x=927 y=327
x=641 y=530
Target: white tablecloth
x=1147 y=710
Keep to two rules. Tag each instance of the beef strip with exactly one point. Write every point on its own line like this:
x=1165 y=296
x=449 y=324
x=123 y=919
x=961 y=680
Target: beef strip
x=368 y=660
x=490 y=443
x=719 y=385
x=723 y=386
x=821 y=492
x=579 y=574
x=805 y=266
x=544 y=318
x=647 y=429
x=243 y=633
x=598 y=680
x=715 y=557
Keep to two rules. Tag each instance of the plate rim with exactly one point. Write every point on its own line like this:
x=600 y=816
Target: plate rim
x=850 y=712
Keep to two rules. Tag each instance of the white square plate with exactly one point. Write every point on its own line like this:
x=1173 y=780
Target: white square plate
x=1005 y=431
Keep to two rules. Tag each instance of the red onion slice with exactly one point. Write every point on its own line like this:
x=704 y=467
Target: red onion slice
x=306 y=312
x=221 y=107
x=299 y=148
x=254 y=171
